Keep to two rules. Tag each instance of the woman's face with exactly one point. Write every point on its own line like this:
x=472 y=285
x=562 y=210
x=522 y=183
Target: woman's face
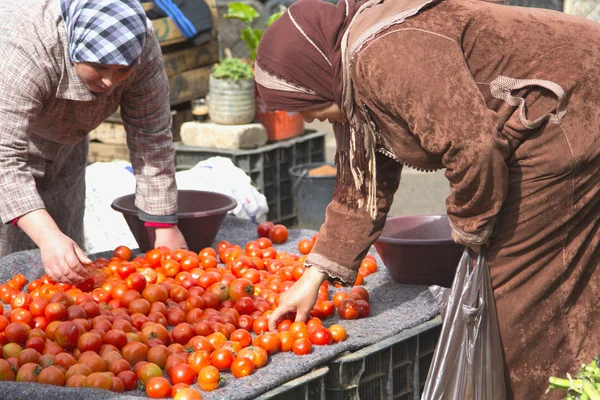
x=100 y=77
x=332 y=113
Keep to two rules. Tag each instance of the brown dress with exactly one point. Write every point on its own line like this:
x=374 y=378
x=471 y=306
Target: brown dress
x=507 y=100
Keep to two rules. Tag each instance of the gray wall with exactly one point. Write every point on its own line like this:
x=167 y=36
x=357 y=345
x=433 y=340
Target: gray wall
x=551 y=4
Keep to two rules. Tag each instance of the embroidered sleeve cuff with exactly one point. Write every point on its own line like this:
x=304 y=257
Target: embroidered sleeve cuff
x=163 y=219
x=337 y=272
x=476 y=239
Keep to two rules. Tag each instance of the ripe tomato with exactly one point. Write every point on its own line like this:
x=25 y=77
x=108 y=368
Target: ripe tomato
x=52 y=375
x=241 y=367
x=21 y=300
x=245 y=305
x=188 y=394
x=6 y=372
x=158 y=388
x=183 y=373
x=149 y=371
x=134 y=352
x=305 y=246
x=222 y=359
x=129 y=379
x=364 y=309
x=268 y=341
x=136 y=281
x=67 y=334
x=208 y=378
x=286 y=340
x=321 y=336
x=29 y=372
x=16 y=332
x=242 y=336
x=257 y=355
x=55 y=312
x=241 y=288
x=302 y=346
x=338 y=332
x=279 y=234
x=348 y=309
x=154 y=293
x=182 y=333
x=264 y=228
x=123 y=252
x=98 y=380
x=28 y=356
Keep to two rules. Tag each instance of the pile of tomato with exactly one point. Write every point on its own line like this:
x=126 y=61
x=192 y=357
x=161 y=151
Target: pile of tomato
x=167 y=320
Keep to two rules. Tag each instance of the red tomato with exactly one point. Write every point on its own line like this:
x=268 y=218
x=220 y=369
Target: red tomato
x=301 y=346
x=208 y=378
x=222 y=359
x=241 y=367
x=264 y=228
x=183 y=373
x=279 y=234
x=321 y=336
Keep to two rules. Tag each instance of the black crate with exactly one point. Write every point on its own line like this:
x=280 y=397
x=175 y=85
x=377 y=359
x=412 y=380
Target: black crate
x=395 y=368
x=268 y=167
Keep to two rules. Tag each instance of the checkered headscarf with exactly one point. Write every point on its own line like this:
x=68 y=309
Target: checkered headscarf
x=110 y=32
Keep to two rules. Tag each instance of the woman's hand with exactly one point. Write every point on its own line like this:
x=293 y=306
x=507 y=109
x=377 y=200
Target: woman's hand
x=300 y=298
x=170 y=237
x=61 y=256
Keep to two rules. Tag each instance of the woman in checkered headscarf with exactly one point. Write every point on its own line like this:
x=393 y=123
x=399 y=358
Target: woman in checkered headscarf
x=73 y=66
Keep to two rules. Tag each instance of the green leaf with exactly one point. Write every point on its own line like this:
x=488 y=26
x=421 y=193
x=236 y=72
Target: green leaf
x=273 y=18
x=242 y=11
x=251 y=37
x=232 y=69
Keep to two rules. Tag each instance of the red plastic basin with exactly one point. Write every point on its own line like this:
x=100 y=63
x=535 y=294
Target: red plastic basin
x=200 y=217
x=419 y=250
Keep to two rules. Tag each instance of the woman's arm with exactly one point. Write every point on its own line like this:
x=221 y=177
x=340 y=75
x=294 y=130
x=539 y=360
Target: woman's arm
x=146 y=113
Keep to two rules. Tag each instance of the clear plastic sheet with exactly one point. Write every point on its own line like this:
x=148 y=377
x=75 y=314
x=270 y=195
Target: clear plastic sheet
x=468 y=362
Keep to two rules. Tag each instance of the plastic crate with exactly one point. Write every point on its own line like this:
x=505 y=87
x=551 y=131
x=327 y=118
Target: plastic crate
x=395 y=368
x=307 y=387
x=268 y=167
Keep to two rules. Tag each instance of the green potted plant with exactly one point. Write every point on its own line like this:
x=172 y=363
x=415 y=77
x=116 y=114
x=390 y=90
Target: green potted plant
x=231 y=92
x=279 y=124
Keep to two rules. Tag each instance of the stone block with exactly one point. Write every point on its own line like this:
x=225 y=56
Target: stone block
x=209 y=134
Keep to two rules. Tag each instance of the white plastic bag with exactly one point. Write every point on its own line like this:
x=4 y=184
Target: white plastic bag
x=219 y=174
x=104 y=228
x=468 y=361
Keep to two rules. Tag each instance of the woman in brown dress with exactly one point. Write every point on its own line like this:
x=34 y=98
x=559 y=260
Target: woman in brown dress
x=507 y=101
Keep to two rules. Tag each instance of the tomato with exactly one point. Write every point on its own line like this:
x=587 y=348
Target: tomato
x=116 y=337
x=241 y=367
x=52 y=376
x=257 y=355
x=16 y=332
x=78 y=369
x=242 y=336
x=222 y=359
x=123 y=252
x=176 y=316
x=241 y=288
x=89 y=341
x=174 y=360
x=129 y=379
x=28 y=372
x=338 y=297
x=116 y=366
x=305 y=246
x=76 y=381
x=278 y=234
x=220 y=290
x=134 y=352
x=98 y=380
x=338 y=332
x=321 y=336
x=245 y=305
x=158 y=355
x=177 y=388
x=268 y=341
x=155 y=331
x=28 y=356
x=118 y=386
x=182 y=333
x=91 y=308
x=11 y=350
x=158 y=388
x=264 y=228
x=55 y=312
x=286 y=340
x=67 y=334
x=147 y=372
x=207 y=280
x=154 y=293
x=199 y=359
x=260 y=325
x=21 y=300
x=188 y=394
x=348 y=309
x=6 y=372
x=201 y=343
x=136 y=281
x=369 y=263
x=75 y=311
x=302 y=346
x=208 y=378
x=35 y=343
x=183 y=373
